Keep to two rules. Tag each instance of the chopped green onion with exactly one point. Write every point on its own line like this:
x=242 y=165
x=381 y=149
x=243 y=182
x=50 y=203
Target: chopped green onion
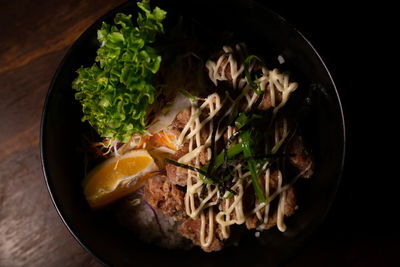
x=228 y=196
x=254 y=85
x=248 y=152
x=187 y=94
x=219 y=160
x=242 y=120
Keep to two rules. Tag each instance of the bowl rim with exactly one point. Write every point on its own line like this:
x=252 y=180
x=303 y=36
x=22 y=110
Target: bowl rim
x=43 y=154
x=95 y=25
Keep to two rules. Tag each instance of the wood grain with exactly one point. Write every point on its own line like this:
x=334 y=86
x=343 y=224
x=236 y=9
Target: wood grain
x=31 y=47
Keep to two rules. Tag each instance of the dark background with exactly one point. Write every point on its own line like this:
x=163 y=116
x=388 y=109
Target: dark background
x=356 y=43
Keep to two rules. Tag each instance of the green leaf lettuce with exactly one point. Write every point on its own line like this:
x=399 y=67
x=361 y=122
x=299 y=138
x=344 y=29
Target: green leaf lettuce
x=116 y=90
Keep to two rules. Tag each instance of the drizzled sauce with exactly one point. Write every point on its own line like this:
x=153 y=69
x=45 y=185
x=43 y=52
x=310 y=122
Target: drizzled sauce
x=230 y=211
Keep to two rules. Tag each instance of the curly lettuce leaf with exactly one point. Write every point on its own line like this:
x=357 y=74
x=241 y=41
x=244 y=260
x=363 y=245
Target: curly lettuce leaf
x=116 y=90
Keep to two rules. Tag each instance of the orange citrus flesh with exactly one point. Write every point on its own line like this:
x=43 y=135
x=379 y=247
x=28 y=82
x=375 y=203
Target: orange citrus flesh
x=118 y=193
x=111 y=181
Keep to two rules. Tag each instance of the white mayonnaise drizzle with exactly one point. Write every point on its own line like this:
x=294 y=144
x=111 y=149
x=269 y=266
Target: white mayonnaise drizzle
x=232 y=213
x=280 y=135
x=216 y=70
x=231 y=209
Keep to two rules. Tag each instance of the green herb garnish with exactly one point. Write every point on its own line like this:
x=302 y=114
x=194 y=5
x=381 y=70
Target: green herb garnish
x=248 y=151
x=116 y=90
x=187 y=94
x=255 y=85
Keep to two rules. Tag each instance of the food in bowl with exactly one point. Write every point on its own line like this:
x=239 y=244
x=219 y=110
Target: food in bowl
x=195 y=145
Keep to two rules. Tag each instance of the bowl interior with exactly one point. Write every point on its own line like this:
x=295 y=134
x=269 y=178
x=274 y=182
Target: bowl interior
x=268 y=35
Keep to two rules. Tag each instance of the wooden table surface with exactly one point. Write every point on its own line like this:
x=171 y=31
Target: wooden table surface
x=34 y=37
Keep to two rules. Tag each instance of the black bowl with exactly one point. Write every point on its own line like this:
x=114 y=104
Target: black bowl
x=266 y=33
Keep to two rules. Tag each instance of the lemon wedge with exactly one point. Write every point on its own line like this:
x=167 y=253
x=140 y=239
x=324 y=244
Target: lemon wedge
x=110 y=180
